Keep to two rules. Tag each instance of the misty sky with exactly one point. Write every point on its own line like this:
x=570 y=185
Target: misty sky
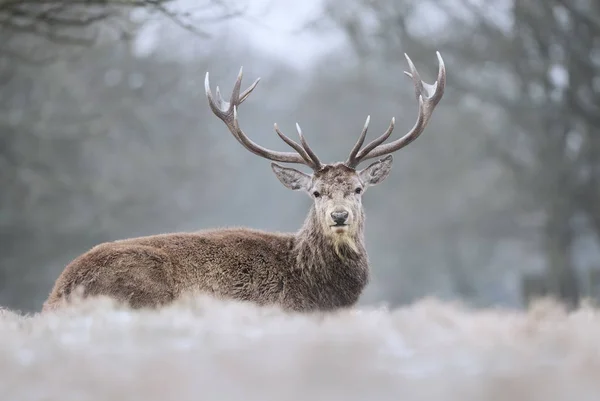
x=275 y=27
x=278 y=27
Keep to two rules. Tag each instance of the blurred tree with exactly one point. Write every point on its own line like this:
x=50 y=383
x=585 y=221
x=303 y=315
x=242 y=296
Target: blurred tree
x=87 y=143
x=434 y=224
x=531 y=70
x=27 y=27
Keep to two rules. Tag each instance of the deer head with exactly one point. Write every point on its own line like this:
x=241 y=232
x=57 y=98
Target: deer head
x=335 y=188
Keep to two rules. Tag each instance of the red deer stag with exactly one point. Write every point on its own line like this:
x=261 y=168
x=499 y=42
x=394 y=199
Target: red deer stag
x=323 y=266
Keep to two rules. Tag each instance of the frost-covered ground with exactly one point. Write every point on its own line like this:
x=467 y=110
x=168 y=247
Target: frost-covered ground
x=203 y=349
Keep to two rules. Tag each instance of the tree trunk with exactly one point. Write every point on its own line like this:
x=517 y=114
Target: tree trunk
x=462 y=282
x=560 y=274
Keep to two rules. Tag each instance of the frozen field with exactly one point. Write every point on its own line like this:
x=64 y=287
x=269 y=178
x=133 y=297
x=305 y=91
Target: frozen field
x=202 y=349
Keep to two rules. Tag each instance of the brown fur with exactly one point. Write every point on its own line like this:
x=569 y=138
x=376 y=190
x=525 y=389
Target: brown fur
x=315 y=268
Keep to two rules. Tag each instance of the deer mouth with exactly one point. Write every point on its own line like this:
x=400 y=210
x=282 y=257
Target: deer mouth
x=339 y=228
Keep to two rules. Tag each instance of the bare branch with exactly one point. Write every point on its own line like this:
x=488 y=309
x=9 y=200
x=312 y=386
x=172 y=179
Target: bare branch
x=70 y=22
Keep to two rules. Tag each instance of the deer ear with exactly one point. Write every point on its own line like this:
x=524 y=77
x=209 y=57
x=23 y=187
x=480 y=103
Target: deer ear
x=376 y=172
x=291 y=178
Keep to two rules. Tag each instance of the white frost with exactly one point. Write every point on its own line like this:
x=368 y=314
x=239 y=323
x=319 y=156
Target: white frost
x=211 y=350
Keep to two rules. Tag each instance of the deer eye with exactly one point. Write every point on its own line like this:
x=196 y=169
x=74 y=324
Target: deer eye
x=358 y=190
x=316 y=194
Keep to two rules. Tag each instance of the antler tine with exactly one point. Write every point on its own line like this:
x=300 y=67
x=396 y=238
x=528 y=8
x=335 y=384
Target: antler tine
x=248 y=91
x=235 y=93
x=433 y=91
x=361 y=139
x=293 y=144
x=307 y=148
x=227 y=112
x=219 y=98
x=373 y=144
x=428 y=96
x=211 y=101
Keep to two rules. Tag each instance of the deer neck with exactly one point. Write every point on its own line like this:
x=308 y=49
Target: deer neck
x=316 y=249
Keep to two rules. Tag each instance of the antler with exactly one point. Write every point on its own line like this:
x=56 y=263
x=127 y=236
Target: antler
x=428 y=96
x=227 y=112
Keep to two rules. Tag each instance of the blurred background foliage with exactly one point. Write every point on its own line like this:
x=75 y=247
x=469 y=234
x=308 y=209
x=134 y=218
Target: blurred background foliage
x=105 y=133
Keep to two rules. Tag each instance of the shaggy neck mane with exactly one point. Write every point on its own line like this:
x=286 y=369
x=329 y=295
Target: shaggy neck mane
x=331 y=273
x=315 y=249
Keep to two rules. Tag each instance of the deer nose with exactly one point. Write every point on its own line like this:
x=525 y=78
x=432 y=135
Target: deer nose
x=339 y=217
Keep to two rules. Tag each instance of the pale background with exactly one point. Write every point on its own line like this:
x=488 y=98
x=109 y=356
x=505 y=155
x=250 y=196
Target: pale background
x=497 y=200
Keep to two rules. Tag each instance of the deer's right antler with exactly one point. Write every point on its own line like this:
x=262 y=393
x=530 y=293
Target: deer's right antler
x=428 y=96
x=227 y=112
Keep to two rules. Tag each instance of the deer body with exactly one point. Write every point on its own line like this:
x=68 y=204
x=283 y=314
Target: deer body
x=301 y=271
x=323 y=266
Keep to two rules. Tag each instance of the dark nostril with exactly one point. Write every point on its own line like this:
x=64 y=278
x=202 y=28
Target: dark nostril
x=339 y=217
